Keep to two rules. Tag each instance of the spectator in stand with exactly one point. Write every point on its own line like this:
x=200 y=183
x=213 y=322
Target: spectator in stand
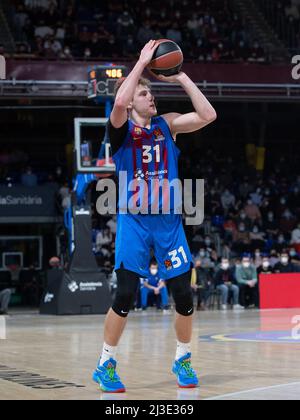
x=284 y=266
x=246 y=276
x=252 y=211
x=270 y=226
x=296 y=236
x=230 y=229
x=274 y=258
x=257 y=258
x=154 y=285
x=225 y=283
x=265 y=267
x=202 y=285
x=257 y=238
x=245 y=220
x=227 y=200
x=112 y=225
x=5 y=297
x=241 y=240
x=287 y=222
x=295 y=259
x=103 y=238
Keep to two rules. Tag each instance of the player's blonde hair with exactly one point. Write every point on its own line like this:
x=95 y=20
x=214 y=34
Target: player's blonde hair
x=142 y=81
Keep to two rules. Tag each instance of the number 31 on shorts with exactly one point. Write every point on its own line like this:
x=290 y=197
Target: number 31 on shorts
x=177 y=256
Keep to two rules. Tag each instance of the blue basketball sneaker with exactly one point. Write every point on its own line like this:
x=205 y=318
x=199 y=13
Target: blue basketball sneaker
x=186 y=376
x=106 y=377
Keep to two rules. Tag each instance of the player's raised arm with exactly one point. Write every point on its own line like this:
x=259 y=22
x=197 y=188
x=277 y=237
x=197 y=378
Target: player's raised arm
x=125 y=93
x=204 y=112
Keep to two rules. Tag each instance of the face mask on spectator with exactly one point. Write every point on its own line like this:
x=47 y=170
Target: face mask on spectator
x=225 y=266
x=242 y=228
x=266 y=264
x=284 y=260
x=283 y=201
x=257 y=254
x=287 y=214
x=255 y=230
x=207 y=242
x=243 y=216
x=293 y=253
x=271 y=217
x=246 y=264
x=281 y=240
x=153 y=271
x=202 y=254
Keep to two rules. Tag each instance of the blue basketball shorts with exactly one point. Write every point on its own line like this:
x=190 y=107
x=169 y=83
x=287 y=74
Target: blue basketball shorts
x=137 y=234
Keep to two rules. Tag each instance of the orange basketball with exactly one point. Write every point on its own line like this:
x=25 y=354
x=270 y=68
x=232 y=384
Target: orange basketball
x=167 y=58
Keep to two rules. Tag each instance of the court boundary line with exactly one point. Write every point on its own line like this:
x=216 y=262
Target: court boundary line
x=266 y=388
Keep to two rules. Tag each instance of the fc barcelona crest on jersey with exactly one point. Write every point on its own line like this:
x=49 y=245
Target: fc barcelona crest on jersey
x=158 y=135
x=138 y=131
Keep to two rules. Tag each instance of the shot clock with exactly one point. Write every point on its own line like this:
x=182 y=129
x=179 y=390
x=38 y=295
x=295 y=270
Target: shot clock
x=102 y=80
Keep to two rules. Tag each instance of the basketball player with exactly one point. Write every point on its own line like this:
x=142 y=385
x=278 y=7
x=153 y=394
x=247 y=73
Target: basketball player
x=144 y=144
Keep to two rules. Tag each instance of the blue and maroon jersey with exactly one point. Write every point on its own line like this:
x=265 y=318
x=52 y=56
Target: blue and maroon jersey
x=149 y=155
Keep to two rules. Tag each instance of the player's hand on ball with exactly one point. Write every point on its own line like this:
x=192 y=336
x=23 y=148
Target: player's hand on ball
x=147 y=53
x=171 y=79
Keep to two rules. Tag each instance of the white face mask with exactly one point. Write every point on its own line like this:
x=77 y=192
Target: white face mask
x=225 y=266
x=284 y=260
x=246 y=264
x=266 y=264
x=153 y=271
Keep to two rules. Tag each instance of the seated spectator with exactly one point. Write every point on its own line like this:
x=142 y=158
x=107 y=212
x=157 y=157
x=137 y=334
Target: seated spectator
x=225 y=282
x=252 y=211
x=274 y=258
x=265 y=267
x=245 y=220
x=201 y=284
x=257 y=238
x=112 y=224
x=241 y=240
x=284 y=266
x=257 y=258
x=227 y=200
x=295 y=258
x=270 y=225
x=103 y=238
x=296 y=236
x=29 y=179
x=287 y=222
x=230 y=229
x=5 y=297
x=246 y=276
x=154 y=285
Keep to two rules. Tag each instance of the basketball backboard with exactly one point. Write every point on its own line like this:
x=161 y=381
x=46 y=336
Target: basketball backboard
x=92 y=146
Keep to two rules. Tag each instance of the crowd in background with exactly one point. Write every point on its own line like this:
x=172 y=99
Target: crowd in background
x=206 y=30
x=248 y=215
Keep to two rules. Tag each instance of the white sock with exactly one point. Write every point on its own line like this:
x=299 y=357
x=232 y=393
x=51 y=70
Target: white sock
x=182 y=349
x=108 y=352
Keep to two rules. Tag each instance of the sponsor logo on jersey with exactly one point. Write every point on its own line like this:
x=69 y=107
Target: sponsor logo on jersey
x=168 y=265
x=158 y=135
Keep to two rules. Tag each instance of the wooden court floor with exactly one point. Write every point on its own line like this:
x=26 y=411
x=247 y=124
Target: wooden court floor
x=247 y=355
